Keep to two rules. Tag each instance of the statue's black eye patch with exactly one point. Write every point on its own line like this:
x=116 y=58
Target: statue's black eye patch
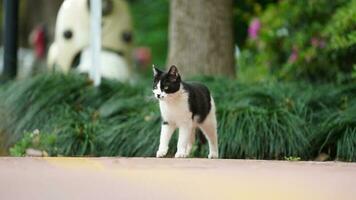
x=68 y=34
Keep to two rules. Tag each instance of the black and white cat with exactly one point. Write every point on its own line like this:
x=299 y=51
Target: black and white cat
x=186 y=106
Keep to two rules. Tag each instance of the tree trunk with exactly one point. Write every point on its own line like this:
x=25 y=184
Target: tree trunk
x=201 y=37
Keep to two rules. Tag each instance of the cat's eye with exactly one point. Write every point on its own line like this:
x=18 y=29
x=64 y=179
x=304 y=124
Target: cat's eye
x=155 y=87
x=166 y=88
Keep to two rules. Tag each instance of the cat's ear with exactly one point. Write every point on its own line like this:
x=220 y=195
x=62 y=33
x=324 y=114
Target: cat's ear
x=156 y=71
x=173 y=72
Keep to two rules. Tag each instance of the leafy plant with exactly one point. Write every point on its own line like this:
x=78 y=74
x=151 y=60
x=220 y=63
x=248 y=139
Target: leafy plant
x=291 y=158
x=35 y=140
x=263 y=121
x=243 y=12
x=297 y=40
x=337 y=134
x=341 y=32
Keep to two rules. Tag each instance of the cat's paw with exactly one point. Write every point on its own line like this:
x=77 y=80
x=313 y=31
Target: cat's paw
x=181 y=155
x=213 y=155
x=161 y=153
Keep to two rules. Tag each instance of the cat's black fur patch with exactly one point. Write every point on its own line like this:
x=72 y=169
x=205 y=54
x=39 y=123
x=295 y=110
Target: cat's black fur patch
x=169 y=83
x=199 y=100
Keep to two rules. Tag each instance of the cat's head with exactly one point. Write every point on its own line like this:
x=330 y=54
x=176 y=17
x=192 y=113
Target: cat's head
x=165 y=83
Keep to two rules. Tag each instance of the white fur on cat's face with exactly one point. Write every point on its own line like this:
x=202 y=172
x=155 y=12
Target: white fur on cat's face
x=158 y=93
x=162 y=95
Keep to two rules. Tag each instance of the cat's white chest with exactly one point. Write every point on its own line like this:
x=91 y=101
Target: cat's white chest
x=175 y=111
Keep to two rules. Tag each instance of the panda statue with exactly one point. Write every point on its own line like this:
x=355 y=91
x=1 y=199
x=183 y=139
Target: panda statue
x=70 y=49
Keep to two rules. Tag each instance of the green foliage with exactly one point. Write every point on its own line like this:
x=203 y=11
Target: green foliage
x=341 y=32
x=78 y=132
x=334 y=111
x=262 y=121
x=337 y=135
x=34 y=140
x=267 y=123
x=341 y=29
x=150 y=19
x=70 y=107
x=244 y=11
x=291 y=158
x=298 y=40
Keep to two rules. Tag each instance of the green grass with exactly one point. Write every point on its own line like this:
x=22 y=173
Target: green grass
x=333 y=109
x=258 y=121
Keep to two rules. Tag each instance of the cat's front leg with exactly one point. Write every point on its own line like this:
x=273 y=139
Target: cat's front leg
x=166 y=133
x=183 y=141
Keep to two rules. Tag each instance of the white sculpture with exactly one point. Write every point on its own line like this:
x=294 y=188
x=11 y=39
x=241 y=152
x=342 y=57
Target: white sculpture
x=70 y=49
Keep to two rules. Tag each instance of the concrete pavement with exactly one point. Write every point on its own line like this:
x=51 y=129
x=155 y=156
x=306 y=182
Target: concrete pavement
x=151 y=178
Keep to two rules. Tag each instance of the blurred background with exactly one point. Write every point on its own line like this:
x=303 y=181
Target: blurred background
x=282 y=72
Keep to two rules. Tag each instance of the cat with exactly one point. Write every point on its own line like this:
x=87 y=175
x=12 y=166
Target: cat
x=186 y=106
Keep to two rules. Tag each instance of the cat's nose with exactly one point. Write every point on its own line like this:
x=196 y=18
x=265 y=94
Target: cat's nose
x=158 y=96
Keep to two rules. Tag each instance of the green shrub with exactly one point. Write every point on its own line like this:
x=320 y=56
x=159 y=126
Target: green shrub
x=334 y=112
x=298 y=40
x=262 y=121
x=243 y=12
x=337 y=135
x=35 y=140
x=341 y=34
x=341 y=29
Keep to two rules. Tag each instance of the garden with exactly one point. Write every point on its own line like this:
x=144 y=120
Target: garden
x=292 y=95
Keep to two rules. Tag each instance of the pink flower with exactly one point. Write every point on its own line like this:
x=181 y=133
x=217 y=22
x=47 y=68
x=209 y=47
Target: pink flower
x=142 y=57
x=317 y=42
x=254 y=28
x=322 y=44
x=314 y=42
x=294 y=55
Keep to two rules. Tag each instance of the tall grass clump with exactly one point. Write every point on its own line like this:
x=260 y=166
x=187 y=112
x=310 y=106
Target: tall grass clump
x=259 y=121
x=67 y=106
x=334 y=112
x=262 y=122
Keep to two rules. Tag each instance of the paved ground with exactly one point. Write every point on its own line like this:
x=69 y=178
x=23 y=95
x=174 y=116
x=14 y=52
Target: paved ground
x=150 y=178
